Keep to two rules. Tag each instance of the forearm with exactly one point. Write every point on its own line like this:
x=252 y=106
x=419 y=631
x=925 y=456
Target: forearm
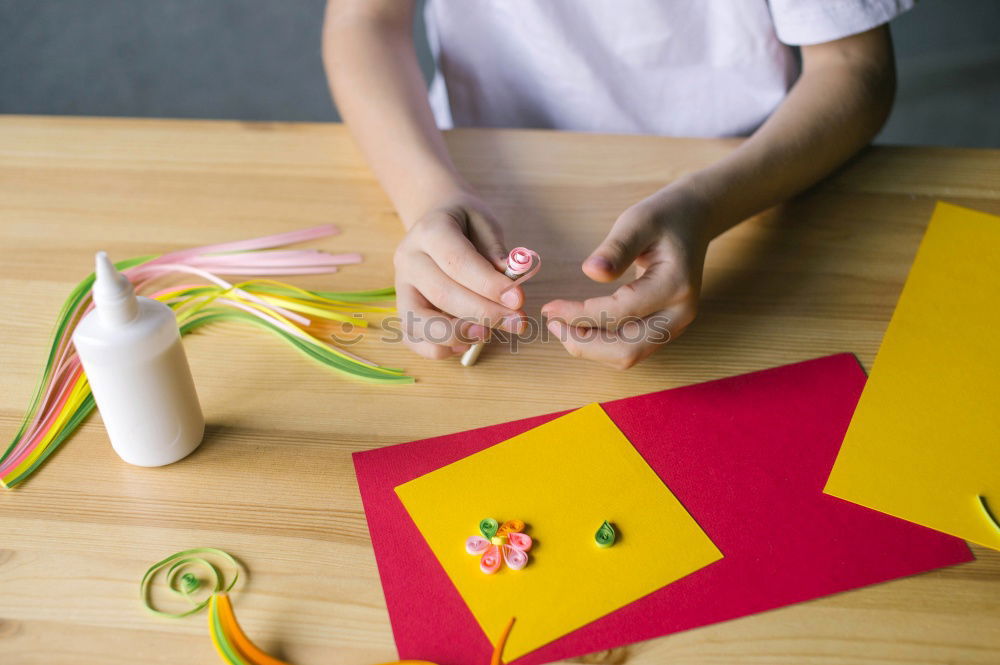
x=835 y=108
x=379 y=90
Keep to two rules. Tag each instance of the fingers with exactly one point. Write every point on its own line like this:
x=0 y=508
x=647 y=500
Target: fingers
x=656 y=287
x=633 y=232
x=486 y=236
x=450 y=286
x=429 y=332
x=628 y=345
x=467 y=245
x=460 y=260
x=456 y=300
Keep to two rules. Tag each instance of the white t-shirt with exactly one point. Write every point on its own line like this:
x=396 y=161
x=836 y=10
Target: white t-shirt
x=666 y=67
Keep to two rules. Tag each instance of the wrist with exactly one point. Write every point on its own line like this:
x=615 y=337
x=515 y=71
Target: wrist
x=683 y=213
x=435 y=193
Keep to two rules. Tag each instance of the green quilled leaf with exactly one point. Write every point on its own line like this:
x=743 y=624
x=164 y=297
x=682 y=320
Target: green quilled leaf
x=605 y=536
x=488 y=527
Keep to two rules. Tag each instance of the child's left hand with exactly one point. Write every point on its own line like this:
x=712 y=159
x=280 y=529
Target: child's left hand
x=666 y=236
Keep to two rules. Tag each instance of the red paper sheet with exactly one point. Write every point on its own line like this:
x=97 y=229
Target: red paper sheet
x=747 y=456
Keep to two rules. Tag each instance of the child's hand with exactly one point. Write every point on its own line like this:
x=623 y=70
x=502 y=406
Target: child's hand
x=450 y=288
x=665 y=236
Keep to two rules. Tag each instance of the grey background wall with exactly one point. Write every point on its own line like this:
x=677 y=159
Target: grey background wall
x=260 y=60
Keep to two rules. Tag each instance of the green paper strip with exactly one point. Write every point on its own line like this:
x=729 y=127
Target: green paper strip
x=185 y=583
x=988 y=512
x=62 y=322
x=78 y=417
x=228 y=651
x=605 y=536
x=317 y=352
x=488 y=527
x=71 y=311
x=374 y=295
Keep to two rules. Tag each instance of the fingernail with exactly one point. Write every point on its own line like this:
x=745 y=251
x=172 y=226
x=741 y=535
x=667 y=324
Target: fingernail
x=513 y=324
x=601 y=263
x=477 y=331
x=510 y=298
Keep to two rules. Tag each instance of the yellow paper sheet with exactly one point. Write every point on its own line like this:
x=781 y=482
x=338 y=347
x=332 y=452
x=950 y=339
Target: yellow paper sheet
x=924 y=443
x=563 y=479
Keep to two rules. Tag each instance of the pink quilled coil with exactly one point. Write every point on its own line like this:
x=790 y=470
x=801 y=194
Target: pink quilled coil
x=520 y=260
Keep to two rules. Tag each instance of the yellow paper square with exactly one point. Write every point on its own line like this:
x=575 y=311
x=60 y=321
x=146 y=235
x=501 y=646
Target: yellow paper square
x=563 y=479
x=924 y=442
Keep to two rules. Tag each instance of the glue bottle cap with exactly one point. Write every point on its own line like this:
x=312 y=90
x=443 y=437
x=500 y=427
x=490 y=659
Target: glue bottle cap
x=114 y=297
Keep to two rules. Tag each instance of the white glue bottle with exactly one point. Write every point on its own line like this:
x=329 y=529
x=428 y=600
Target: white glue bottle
x=132 y=355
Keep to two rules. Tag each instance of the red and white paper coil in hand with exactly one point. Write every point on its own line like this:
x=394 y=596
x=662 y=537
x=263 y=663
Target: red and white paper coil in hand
x=522 y=264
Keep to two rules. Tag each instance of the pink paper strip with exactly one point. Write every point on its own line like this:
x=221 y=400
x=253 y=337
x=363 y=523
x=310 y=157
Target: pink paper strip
x=747 y=456
x=264 y=242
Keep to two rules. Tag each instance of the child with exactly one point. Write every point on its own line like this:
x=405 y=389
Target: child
x=667 y=67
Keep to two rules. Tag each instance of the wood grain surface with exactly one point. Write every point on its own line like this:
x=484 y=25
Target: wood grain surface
x=273 y=482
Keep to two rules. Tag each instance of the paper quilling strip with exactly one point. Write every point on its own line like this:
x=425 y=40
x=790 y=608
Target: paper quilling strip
x=989 y=513
x=230 y=641
x=62 y=398
x=235 y=647
x=182 y=582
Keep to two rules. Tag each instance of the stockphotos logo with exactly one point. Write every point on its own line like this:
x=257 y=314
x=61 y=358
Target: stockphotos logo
x=442 y=329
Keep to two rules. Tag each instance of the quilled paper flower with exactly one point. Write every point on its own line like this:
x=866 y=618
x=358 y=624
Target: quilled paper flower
x=500 y=543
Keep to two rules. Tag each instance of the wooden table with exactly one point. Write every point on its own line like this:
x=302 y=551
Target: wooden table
x=273 y=482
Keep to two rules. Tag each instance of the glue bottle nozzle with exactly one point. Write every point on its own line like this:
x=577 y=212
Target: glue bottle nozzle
x=114 y=297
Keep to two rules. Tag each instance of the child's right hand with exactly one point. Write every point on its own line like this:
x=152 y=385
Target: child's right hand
x=450 y=288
